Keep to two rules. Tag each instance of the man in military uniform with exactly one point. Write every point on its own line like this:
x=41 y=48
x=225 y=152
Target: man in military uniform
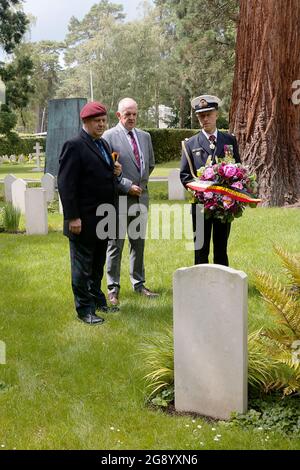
x=210 y=142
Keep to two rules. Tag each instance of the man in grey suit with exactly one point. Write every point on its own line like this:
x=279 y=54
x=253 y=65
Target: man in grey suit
x=136 y=156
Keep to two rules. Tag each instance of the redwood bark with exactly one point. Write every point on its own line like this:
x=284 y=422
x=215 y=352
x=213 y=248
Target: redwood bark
x=263 y=116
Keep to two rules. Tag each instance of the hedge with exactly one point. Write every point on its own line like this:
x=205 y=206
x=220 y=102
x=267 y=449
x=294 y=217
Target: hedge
x=23 y=146
x=166 y=144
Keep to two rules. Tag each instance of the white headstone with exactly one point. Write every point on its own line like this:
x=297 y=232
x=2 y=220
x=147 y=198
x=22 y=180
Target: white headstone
x=48 y=183
x=210 y=328
x=21 y=159
x=176 y=189
x=8 y=181
x=18 y=189
x=36 y=214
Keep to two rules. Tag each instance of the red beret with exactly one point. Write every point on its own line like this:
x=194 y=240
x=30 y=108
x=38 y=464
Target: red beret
x=93 y=109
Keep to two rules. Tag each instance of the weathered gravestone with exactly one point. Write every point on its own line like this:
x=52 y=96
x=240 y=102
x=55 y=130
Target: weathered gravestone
x=48 y=184
x=63 y=124
x=36 y=214
x=176 y=189
x=18 y=189
x=210 y=328
x=8 y=181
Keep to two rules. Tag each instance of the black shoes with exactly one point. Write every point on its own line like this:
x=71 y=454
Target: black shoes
x=91 y=319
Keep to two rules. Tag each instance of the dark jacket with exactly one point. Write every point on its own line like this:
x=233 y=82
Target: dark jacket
x=85 y=180
x=198 y=148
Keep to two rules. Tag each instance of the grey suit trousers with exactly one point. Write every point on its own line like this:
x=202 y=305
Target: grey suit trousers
x=135 y=226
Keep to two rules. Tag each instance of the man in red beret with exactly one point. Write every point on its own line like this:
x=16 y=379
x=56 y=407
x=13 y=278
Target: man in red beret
x=87 y=179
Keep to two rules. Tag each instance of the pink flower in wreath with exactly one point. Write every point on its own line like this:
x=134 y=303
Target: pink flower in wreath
x=208 y=195
x=239 y=174
x=221 y=170
x=237 y=185
x=228 y=202
x=209 y=174
x=230 y=171
x=211 y=205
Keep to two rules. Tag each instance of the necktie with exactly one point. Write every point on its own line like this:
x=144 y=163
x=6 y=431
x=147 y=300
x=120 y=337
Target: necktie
x=135 y=149
x=103 y=151
x=212 y=139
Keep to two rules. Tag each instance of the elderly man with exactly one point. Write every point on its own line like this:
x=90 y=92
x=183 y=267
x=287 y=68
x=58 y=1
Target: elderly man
x=135 y=151
x=210 y=142
x=87 y=178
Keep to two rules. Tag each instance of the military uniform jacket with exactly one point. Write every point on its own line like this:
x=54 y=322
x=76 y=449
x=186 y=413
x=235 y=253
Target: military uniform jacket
x=85 y=180
x=198 y=149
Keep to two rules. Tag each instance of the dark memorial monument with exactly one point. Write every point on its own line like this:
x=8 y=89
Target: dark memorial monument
x=63 y=123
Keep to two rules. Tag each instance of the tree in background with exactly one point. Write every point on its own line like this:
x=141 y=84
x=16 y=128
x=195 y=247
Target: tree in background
x=125 y=59
x=202 y=37
x=13 y=24
x=15 y=75
x=46 y=68
x=264 y=115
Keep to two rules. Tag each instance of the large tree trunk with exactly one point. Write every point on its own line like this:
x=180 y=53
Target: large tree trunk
x=264 y=117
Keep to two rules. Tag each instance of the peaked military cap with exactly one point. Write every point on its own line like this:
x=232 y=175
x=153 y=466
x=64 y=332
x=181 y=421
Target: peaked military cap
x=205 y=103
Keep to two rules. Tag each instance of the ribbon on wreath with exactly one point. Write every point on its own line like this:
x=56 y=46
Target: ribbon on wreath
x=210 y=186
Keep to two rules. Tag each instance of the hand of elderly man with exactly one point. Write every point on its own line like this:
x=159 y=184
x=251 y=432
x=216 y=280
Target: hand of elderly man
x=75 y=226
x=118 y=169
x=135 y=191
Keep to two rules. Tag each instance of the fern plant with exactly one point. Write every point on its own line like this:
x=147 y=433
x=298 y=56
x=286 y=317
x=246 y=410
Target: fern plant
x=281 y=340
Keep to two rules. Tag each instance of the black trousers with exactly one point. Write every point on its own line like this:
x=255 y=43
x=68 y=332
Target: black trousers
x=87 y=267
x=220 y=233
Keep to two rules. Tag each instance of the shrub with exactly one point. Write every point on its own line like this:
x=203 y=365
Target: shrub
x=20 y=146
x=158 y=355
x=271 y=413
x=167 y=143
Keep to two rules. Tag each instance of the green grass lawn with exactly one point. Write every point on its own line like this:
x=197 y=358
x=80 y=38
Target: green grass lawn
x=24 y=171
x=69 y=386
x=20 y=171
x=163 y=169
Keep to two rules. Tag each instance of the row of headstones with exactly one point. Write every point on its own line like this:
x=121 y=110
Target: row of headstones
x=32 y=202
x=21 y=159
